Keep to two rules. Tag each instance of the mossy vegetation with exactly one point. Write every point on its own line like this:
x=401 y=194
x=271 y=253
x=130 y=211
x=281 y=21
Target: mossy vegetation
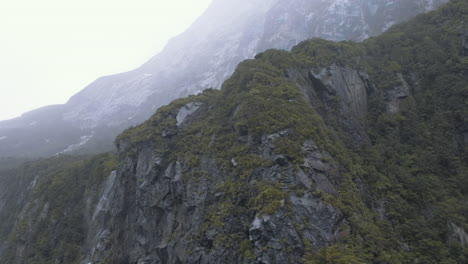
x=400 y=191
x=270 y=199
x=52 y=225
x=412 y=169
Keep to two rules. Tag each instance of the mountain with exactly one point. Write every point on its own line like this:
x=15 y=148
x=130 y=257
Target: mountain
x=334 y=152
x=202 y=57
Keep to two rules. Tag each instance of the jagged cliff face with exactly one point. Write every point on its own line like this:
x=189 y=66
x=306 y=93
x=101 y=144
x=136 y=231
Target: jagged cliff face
x=260 y=172
x=202 y=57
x=231 y=31
x=248 y=190
x=51 y=205
x=350 y=151
x=172 y=205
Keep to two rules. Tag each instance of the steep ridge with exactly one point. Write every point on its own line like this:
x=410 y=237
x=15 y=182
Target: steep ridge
x=335 y=152
x=51 y=204
x=202 y=57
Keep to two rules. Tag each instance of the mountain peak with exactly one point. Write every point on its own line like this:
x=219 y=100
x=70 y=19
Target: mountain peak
x=202 y=57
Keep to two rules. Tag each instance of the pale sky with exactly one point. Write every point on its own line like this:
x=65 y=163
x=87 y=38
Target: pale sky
x=51 y=49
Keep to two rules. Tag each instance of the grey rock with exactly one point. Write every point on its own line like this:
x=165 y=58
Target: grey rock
x=178 y=173
x=266 y=147
x=304 y=179
x=103 y=204
x=343 y=91
x=155 y=222
x=347 y=83
x=186 y=111
x=459 y=234
x=202 y=57
x=234 y=163
x=405 y=247
x=397 y=94
x=316 y=164
x=281 y=160
x=13 y=199
x=154 y=209
x=465 y=43
x=324 y=174
x=465 y=130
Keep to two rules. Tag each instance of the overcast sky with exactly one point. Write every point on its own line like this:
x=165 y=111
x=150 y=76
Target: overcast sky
x=51 y=49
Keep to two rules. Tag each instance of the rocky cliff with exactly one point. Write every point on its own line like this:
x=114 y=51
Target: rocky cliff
x=335 y=152
x=202 y=57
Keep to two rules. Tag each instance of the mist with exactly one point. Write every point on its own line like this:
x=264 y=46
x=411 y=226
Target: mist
x=52 y=49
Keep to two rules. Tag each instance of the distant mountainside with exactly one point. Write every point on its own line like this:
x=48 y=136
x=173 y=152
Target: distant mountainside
x=202 y=57
x=331 y=153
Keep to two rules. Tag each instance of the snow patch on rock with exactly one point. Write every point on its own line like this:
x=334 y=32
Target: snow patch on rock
x=207 y=53
x=71 y=148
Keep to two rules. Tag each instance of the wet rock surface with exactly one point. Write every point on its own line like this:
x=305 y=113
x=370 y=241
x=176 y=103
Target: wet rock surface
x=397 y=94
x=204 y=56
x=158 y=210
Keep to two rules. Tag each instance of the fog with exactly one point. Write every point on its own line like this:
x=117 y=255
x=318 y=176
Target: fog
x=51 y=49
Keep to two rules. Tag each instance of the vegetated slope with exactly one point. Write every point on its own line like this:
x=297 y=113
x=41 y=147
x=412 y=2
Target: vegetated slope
x=330 y=153
x=47 y=207
x=202 y=57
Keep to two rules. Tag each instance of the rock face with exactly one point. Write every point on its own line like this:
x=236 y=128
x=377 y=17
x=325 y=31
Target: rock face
x=186 y=112
x=342 y=90
x=465 y=43
x=345 y=83
x=397 y=94
x=98 y=233
x=15 y=192
x=202 y=57
x=459 y=234
x=158 y=210
x=302 y=156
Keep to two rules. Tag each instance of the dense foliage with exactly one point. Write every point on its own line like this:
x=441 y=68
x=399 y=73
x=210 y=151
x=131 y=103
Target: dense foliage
x=51 y=225
x=405 y=191
x=403 y=187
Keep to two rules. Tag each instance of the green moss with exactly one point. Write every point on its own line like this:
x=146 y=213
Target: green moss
x=246 y=250
x=399 y=165
x=405 y=185
x=337 y=254
x=269 y=199
x=65 y=184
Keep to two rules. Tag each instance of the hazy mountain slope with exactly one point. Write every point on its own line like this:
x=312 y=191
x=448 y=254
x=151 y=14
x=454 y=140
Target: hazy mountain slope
x=51 y=204
x=335 y=152
x=202 y=57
